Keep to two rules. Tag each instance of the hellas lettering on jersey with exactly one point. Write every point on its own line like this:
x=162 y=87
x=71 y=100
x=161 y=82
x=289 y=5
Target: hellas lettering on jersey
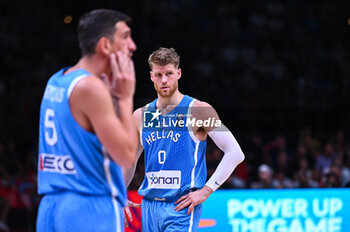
x=55 y=163
x=162 y=135
x=164 y=179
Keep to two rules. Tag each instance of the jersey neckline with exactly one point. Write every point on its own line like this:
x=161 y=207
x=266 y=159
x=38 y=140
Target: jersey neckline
x=175 y=108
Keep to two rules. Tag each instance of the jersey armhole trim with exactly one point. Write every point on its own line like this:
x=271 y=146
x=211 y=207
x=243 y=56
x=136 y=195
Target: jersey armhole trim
x=190 y=131
x=141 y=130
x=74 y=83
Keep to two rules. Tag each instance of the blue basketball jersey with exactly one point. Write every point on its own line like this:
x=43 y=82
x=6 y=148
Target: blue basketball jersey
x=174 y=157
x=71 y=158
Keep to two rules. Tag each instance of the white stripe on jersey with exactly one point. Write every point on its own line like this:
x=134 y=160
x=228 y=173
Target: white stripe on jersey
x=195 y=163
x=76 y=80
x=146 y=108
x=117 y=215
x=191 y=221
x=114 y=192
x=106 y=163
x=194 y=138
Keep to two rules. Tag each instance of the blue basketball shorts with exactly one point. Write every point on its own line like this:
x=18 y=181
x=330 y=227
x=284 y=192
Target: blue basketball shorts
x=160 y=216
x=72 y=212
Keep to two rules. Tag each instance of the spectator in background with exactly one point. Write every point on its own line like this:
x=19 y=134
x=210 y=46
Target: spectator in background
x=342 y=173
x=339 y=142
x=281 y=181
x=265 y=175
x=309 y=146
x=284 y=165
x=332 y=179
x=316 y=178
x=324 y=160
x=304 y=177
x=274 y=148
x=303 y=167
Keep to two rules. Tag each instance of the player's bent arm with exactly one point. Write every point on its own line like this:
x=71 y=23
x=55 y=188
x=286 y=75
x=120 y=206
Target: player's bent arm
x=129 y=173
x=233 y=156
x=203 y=111
x=224 y=139
x=118 y=135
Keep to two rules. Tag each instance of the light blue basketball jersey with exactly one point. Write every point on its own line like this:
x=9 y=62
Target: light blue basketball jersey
x=71 y=158
x=174 y=157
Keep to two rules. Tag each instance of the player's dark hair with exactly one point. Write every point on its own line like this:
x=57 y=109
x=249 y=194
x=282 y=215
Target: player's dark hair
x=95 y=25
x=164 y=56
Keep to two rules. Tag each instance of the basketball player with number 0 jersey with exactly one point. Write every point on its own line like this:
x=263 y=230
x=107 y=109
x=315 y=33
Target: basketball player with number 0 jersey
x=173 y=131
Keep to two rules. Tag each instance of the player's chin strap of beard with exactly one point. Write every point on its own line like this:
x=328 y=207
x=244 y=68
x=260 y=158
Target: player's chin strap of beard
x=233 y=156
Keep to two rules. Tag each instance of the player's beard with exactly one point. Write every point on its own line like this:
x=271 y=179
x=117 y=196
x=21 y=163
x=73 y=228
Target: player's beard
x=169 y=93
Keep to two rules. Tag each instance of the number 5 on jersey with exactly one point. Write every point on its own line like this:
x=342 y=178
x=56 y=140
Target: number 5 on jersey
x=161 y=156
x=49 y=123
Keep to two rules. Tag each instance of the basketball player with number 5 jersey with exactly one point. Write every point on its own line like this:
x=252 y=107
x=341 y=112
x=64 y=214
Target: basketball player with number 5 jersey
x=83 y=143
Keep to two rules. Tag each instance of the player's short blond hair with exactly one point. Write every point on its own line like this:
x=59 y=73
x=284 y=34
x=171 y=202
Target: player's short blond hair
x=164 y=56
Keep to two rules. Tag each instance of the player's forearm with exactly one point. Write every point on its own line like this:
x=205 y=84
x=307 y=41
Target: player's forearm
x=128 y=173
x=233 y=156
x=227 y=165
x=124 y=109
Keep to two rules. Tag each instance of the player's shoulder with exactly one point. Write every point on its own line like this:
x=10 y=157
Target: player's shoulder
x=138 y=115
x=91 y=81
x=140 y=110
x=202 y=109
x=91 y=85
x=198 y=103
x=90 y=90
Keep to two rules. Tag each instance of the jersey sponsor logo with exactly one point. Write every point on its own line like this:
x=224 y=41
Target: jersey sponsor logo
x=55 y=163
x=164 y=179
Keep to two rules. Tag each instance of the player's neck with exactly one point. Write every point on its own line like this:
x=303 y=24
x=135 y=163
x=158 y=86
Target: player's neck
x=169 y=103
x=93 y=64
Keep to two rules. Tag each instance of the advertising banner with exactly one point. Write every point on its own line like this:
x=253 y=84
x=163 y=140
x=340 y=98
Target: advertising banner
x=295 y=210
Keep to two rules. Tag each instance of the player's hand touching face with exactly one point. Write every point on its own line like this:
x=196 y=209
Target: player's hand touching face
x=121 y=81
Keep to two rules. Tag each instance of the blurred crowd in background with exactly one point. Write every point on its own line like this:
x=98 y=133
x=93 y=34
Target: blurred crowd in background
x=277 y=73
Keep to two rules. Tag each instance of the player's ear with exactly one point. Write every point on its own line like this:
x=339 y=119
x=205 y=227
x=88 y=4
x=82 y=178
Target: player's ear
x=179 y=73
x=104 y=46
x=151 y=75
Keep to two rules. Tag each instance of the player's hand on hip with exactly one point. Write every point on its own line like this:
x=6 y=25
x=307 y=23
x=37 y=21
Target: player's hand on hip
x=121 y=81
x=133 y=204
x=192 y=199
x=128 y=212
